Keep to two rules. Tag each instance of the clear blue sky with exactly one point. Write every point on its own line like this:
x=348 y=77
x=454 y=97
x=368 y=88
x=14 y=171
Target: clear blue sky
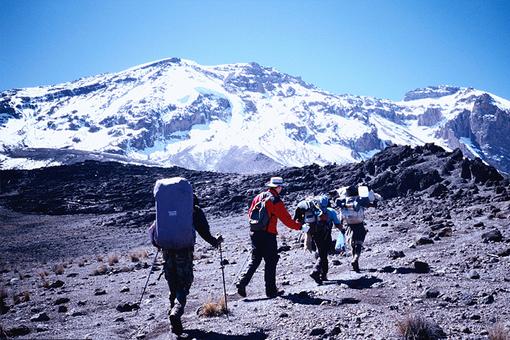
x=377 y=48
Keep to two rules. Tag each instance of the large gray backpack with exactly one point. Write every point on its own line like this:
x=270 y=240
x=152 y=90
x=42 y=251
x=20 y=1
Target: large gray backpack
x=174 y=213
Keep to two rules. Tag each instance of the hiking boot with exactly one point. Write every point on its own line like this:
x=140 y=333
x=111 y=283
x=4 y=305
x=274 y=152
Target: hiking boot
x=176 y=324
x=316 y=277
x=274 y=294
x=355 y=266
x=241 y=290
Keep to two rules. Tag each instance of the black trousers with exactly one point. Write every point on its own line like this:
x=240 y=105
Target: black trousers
x=264 y=246
x=322 y=240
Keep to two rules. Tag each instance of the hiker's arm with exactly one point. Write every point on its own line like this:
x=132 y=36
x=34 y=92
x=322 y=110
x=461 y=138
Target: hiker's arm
x=283 y=215
x=202 y=227
x=336 y=221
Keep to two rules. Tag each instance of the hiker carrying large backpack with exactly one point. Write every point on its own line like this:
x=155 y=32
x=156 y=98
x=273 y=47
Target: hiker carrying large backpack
x=320 y=218
x=352 y=202
x=265 y=211
x=178 y=215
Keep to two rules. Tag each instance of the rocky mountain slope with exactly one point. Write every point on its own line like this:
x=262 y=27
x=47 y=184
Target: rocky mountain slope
x=242 y=118
x=76 y=256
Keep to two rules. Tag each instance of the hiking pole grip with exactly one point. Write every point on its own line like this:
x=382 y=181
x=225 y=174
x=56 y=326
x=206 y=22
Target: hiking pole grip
x=223 y=277
x=146 y=282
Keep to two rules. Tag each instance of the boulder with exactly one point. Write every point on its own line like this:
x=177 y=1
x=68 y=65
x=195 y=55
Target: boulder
x=421 y=266
x=40 y=317
x=492 y=236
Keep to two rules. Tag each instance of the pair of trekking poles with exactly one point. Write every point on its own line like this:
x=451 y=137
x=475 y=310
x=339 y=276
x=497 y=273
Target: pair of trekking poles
x=222 y=265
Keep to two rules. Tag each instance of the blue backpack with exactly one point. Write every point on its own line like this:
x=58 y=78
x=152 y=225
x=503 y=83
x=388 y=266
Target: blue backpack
x=174 y=213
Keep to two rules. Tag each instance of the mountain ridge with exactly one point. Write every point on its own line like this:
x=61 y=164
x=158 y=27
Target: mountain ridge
x=243 y=118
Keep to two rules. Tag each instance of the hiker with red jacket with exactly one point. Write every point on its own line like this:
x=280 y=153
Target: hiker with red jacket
x=263 y=240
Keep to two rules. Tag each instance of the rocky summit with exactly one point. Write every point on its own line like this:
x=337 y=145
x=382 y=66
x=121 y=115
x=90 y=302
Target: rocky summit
x=75 y=255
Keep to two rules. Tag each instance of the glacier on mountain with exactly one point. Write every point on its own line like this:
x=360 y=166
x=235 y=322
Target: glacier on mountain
x=236 y=118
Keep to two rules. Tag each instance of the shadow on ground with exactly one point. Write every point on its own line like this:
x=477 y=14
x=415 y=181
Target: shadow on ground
x=200 y=334
x=363 y=282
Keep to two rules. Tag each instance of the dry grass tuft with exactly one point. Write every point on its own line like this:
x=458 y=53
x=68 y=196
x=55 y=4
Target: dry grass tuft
x=43 y=274
x=413 y=327
x=112 y=259
x=135 y=256
x=82 y=262
x=101 y=270
x=99 y=258
x=59 y=269
x=25 y=296
x=210 y=309
x=499 y=332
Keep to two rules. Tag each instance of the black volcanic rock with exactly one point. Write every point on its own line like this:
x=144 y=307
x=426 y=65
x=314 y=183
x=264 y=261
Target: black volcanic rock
x=93 y=187
x=492 y=236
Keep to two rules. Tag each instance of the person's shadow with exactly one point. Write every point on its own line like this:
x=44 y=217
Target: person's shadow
x=363 y=282
x=200 y=334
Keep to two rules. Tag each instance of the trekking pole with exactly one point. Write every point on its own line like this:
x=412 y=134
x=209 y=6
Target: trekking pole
x=223 y=276
x=241 y=268
x=146 y=282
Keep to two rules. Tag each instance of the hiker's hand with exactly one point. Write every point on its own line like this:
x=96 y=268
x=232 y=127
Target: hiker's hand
x=305 y=228
x=219 y=239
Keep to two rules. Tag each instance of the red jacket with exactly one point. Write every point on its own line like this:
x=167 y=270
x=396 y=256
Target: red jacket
x=277 y=211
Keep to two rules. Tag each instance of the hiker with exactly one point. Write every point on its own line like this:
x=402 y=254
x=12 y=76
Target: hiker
x=352 y=202
x=178 y=215
x=263 y=236
x=320 y=218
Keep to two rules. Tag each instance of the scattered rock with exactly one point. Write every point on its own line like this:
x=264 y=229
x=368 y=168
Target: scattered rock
x=126 y=307
x=99 y=291
x=284 y=248
x=124 y=289
x=438 y=190
x=75 y=313
x=18 y=331
x=82 y=302
x=473 y=274
x=56 y=284
x=504 y=252
x=336 y=262
x=283 y=315
x=40 y=317
x=41 y=328
x=492 y=236
x=479 y=225
x=335 y=331
x=421 y=267
x=423 y=240
x=62 y=309
x=466 y=330
x=445 y=232
x=487 y=300
x=431 y=293
x=119 y=319
x=61 y=301
x=396 y=254
x=317 y=331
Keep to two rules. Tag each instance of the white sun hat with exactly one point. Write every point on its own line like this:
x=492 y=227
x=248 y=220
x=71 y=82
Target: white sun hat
x=275 y=182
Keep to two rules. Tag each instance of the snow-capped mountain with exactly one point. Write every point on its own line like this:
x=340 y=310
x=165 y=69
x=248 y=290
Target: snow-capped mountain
x=236 y=118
